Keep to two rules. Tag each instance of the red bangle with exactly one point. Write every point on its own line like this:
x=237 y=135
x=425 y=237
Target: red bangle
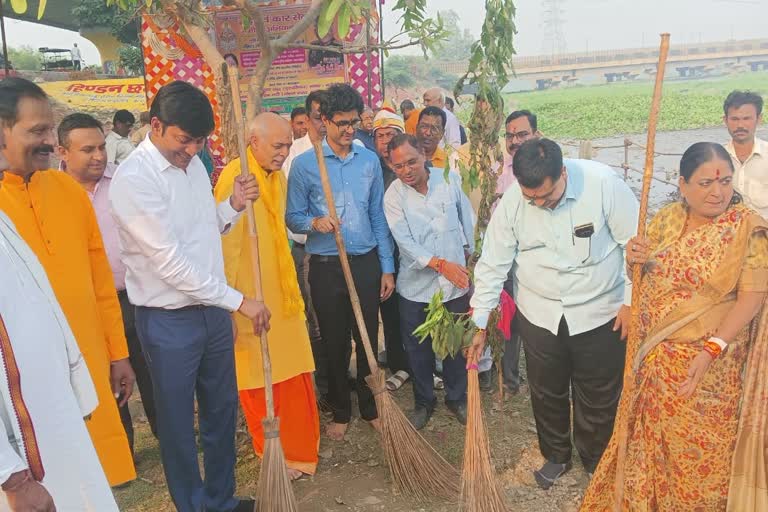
x=713 y=349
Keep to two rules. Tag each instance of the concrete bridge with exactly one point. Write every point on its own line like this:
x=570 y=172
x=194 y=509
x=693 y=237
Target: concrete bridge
x=691 y=60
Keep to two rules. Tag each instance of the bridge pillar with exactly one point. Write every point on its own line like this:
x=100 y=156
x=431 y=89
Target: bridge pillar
x=107 y=45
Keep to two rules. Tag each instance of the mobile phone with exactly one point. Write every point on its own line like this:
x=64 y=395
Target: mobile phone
x=584 y=230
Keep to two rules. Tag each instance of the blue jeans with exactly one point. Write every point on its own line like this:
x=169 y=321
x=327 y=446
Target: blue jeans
x=190 y=351
x=421 y=357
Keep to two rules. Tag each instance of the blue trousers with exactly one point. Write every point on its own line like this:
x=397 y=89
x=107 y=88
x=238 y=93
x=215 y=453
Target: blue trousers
x=190 y=352
x=421 y=357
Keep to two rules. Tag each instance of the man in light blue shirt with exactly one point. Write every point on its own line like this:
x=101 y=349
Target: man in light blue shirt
x=358 y=189
x=562 y=230
x=431 y=220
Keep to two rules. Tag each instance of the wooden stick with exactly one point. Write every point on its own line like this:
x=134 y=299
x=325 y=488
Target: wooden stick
x=253 y=237
x=353 y=296
x=653 y=118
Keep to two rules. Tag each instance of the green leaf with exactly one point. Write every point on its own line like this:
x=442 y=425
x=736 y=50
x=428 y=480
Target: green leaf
x=327 y=15
x=345 y=15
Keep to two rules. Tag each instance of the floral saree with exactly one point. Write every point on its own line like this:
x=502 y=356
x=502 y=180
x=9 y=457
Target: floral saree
x=696 y=454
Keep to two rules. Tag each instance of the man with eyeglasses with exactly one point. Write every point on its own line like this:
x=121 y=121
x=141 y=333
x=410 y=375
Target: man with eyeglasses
x=356 y=179
x=562 y=229
x=431 y=220
x=521 y=126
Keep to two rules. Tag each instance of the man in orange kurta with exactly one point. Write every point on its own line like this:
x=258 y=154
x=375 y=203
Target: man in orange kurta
x=289 y=347
x=54 y=216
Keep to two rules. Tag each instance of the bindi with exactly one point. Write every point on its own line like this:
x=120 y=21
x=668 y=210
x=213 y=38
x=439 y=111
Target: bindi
x=717 y=174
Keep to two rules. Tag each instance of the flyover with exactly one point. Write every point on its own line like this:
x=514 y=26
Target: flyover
x=58 y=13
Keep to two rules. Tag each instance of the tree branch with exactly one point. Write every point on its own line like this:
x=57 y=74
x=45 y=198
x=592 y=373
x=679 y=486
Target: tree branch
x=354 y=49
x=309 y=18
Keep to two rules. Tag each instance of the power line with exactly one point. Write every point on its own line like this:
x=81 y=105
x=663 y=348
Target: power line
x=554 y=34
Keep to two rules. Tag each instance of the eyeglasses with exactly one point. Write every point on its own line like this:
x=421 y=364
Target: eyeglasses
x=345 y=125
x=521 y=136
x=413 y=163
x=429 y=128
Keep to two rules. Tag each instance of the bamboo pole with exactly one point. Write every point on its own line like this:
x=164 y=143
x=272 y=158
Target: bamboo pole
x=276 y=492
x=653 y=119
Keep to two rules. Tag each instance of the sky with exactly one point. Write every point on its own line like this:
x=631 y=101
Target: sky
x=589 y=25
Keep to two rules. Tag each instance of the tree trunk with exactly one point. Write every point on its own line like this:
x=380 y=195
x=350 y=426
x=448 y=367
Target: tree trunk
x=256 y=86
x=215 y=60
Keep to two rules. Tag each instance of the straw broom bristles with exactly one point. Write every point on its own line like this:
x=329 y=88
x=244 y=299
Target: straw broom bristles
x=275 y=490
x=480 y=491
x=416 y=468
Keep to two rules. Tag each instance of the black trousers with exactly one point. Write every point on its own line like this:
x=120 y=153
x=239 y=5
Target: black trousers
x=397 y=359
x=301 y=262
x=587 y=367
x=330 y=298
x=421 y=356
x=139 y=364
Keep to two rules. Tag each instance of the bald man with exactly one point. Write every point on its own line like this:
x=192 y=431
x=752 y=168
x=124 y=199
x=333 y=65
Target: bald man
x=289 y=348
x=435 y=97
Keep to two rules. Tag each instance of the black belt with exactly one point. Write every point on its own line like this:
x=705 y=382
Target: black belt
x=335 y=257
x=122 y=293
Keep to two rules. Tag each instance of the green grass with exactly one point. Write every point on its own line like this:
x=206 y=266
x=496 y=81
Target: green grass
x=616 y=109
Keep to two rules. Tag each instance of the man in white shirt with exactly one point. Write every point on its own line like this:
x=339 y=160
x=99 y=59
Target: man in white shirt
x=170 y=228
x=77 y=58
x=431 y=220
x=743 y=113
x=562 y=230
x=298 y=250
x=435 y=97
x=119 y=146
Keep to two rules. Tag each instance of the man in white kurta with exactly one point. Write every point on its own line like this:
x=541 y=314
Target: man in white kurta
x=45 y=392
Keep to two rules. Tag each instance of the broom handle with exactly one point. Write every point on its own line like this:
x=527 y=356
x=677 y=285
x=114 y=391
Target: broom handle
x=653 y=118
x=353 y=297
x=648 y=170
x=253 y=236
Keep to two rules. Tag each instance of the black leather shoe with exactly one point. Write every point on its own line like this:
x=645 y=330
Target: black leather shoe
x=550 y=472
x=459 y=410
x=419 y=417
x=247 y=505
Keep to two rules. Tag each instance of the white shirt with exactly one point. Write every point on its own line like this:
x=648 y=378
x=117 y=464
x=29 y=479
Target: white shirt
x=170 y=232
x=554 y=273
x=54 y=383
x=75 y=53
x=118 y=148
x=452 y=135
x=751 y=177
x=298 y=147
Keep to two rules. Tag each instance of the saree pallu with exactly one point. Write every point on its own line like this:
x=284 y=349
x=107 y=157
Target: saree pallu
x=673 y=454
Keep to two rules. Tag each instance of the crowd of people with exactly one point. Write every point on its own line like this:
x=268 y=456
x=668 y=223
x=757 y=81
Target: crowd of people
x=124 y=268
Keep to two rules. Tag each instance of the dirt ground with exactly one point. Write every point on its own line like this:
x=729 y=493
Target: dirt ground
x=352 y=475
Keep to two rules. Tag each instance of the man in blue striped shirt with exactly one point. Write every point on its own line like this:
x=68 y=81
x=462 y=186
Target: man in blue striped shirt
x=562 y=229
x=431 y=220
x=358 y=189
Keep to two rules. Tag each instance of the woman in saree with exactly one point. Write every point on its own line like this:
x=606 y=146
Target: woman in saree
x=691 y=419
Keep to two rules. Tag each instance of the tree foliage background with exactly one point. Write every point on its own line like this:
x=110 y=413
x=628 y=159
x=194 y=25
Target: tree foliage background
x=24 y=58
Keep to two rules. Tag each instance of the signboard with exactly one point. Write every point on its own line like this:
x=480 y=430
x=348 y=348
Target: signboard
x=296 y=71
x=124 y=93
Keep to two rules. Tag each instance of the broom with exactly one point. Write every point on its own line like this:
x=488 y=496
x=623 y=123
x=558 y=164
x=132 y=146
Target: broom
x=416 y=468
x=275 y=491
x=480 y=491
x=653 y=118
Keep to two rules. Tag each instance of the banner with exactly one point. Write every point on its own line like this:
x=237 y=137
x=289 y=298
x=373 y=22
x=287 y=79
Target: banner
x=89 y=95
x=296 y=71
